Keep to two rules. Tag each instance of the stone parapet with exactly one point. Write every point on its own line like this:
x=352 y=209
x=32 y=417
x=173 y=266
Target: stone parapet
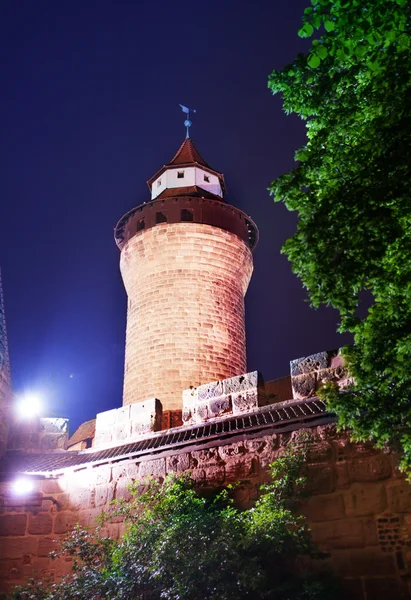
x=309 y=373
x=233 y=396
x=128 y=422
x=39 y=434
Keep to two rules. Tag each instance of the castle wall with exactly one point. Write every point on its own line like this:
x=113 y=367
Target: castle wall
x=185 y=321
x=359 y=508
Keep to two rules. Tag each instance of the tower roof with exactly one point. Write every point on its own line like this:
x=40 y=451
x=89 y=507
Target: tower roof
x=187 y=156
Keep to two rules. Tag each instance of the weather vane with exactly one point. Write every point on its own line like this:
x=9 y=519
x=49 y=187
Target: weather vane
x=187 y=122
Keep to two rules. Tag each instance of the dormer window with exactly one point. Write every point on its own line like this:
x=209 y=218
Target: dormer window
x=207 y=178
x=180 y=174
x=159 y=183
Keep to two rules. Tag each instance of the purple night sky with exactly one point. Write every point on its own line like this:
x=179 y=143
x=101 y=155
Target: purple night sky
x=89 y=113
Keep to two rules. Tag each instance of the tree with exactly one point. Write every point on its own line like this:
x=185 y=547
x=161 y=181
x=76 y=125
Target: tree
x=351 y=190
x=181 y=545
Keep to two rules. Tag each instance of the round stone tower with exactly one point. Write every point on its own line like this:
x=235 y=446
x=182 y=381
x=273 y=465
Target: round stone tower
x=186 y=263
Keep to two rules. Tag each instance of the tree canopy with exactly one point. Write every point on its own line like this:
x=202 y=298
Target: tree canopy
x=180 y=545
x=351 y=190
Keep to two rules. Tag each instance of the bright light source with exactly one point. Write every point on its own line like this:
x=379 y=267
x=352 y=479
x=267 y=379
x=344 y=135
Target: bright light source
x=29 y=405
x=22 y=486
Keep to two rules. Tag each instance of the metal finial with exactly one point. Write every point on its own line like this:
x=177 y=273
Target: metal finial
x=187 y=122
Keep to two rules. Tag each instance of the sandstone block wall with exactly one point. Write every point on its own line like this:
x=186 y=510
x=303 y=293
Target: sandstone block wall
x=359 y=509
x=185 y=320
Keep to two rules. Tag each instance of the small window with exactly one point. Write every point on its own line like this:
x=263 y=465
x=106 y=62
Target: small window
x=161 y=217
x=140 y=224
x=207 y=178
x=180 y=174
x=159 y=183
x=186 y=215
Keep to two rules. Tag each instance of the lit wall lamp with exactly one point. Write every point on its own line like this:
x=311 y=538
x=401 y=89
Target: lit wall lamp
x=29 y=405
x=22 y=486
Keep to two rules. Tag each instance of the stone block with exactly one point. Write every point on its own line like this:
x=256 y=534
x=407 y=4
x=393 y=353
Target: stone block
x=47 y=545
x=212 y=476
x=220 y=406
x=321 y=480
x=122 y=489
x=16 y=547
x=54 y=425
x=122 y=424
x=399 y=497
x=372 y=468
x=105 y=423
x=87 y=518
x=153 y=468
x=320 y=453
x=228 y=452
x=13 y=524
x=381 y=588
x=241 y=468
x=210 y=390
x=63 y=502
x=178 y=463
x=204 y=457
x=104 y=494
x=81 y=497
x=51 y=486
x=346 y=533
x=40 y=524
x=243 y=383
x=51 y=442
x=362 y=562
x=65 y=521
x=145 y=416
x=308 y=364
x=244 y=402
x=366 y=499
x=11 y=570
x=303 y=386
x=325 y=508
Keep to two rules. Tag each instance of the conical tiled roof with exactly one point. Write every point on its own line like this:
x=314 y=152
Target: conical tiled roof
x=188 y=154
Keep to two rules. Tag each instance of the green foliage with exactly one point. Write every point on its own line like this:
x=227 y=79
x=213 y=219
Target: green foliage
x=181 y=546
x=351 y=190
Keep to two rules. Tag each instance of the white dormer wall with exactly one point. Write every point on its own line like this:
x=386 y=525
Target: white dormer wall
x=192 y=176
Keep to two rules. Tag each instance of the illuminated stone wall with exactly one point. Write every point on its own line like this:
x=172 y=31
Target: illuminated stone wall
x=185 y=321
x=359 y=509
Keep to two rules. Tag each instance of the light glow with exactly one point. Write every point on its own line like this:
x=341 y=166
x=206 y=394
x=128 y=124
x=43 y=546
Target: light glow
x=29 y=405
x=22 y=486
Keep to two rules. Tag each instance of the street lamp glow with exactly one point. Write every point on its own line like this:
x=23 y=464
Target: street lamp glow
x=22 y=486
x=29 y=405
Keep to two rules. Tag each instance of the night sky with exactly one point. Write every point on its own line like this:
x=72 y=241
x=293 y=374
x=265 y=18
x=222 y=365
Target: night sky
x=89 y=111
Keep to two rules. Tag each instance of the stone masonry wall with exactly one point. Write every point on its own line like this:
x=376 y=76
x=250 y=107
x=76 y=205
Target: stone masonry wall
x=185 y=321
x=359 y=508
